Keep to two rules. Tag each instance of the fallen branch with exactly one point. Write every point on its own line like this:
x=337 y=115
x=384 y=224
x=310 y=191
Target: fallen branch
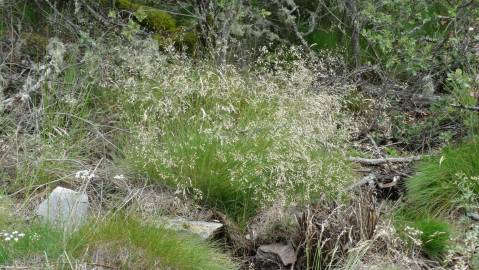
x=369 y=179
x=379 y=161
x=470 y=108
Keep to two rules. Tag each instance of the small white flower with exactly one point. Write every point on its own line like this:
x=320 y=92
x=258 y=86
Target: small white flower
x=7 y=238
x=14 y=232
x=119 y=177
x=16 y=239
x=84 y=175
x=21 y=235
x=471 y=29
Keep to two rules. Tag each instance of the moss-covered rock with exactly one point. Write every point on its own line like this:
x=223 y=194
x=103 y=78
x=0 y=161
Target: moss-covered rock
x=155 y=20
x=165 y=28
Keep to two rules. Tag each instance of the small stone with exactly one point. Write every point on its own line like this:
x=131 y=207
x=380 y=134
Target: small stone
x=285 y=253
x=64 y=208
x=202 y=228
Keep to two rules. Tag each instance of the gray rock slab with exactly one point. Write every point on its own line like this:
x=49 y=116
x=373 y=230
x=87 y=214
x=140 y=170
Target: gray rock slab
x=285 y=253
x=65 y=208
x=202 y=228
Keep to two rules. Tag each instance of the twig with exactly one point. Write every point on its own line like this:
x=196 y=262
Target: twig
x=470 y=108
x=95 y=14
x=368 y=179
x=379 y=161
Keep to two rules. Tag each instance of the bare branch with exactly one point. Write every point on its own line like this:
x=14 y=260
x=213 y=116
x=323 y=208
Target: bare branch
x=379 y=161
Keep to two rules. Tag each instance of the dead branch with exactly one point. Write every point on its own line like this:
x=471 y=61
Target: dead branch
x=368 y=179
x=470 y=108
x=379 y=161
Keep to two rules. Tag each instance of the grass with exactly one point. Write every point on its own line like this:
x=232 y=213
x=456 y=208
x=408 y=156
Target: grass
x=40 y=242
x=432 y=233
x=35 y=242
x=141 y=246
x=446 y=182
x=235 y=141
x=133 y=245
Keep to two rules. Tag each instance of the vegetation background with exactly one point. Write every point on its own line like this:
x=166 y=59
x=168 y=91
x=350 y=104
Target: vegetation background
x=344 y=132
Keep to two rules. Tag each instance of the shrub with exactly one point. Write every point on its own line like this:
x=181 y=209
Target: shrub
x=448 y=181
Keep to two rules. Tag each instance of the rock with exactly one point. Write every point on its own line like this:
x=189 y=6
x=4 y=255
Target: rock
x=202 y=228
x=64 y=208
x=270 y=253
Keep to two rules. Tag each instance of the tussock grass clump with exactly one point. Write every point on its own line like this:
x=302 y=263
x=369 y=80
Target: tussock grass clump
x=235 y=139
x=447 y=182
x=127 y=243
x=423 y=232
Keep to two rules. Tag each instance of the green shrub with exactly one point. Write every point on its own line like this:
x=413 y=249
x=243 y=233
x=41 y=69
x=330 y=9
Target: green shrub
x=148 y=247
x=447 y=181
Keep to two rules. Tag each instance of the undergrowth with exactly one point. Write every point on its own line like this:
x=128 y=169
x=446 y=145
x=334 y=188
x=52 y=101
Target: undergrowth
x=236 y=140
x=424 y=233
x=127 y=243
x=447 y=182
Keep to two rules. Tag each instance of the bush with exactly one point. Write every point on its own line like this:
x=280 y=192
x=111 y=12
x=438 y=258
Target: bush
x=448 y=181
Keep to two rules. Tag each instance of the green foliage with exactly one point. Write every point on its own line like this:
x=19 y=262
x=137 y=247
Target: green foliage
x=149 y=247
x=423 y=232
x=27 y=243
x=460 y=86
x=441 y=123
x=448 y=181
x=356 y=103
x=435 y=235
x=405 y=37
x=325 y=39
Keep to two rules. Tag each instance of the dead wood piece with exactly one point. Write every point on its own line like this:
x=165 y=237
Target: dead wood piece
x=379 y=161
x=368 y=179
x=470 y=108
x=424 y=100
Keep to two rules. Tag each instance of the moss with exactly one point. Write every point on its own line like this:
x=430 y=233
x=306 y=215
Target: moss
x=35 y=44
x=183 y=41
x=155 y=20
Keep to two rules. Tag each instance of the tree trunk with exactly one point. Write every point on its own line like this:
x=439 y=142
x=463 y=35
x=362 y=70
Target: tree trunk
x=352 y=10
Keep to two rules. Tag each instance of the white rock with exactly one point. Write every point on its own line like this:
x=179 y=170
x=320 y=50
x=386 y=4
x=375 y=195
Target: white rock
x=64 y=208
x=202 y=228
